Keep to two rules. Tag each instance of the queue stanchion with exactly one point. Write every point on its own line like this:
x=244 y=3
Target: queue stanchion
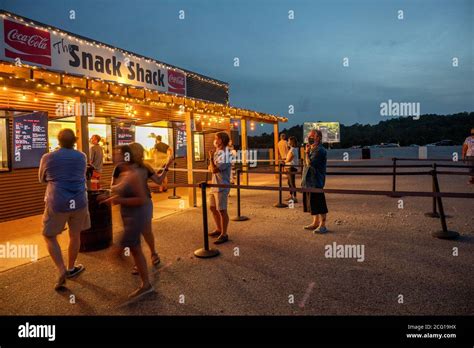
x=444 y=233
x=239 y=217
x=205 y=252
x=434 y=213
x=174 y=196
x=394 y=178
x=280 y=203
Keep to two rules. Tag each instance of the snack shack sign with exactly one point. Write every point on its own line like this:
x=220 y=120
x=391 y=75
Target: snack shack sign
x=49 y=49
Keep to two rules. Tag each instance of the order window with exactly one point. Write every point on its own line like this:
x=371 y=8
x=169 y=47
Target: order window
x=199 y=154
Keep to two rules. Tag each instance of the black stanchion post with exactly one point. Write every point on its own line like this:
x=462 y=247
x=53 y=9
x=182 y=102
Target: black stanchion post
x=174 y=196
x=280 y=203
x=444 y=233
x=205 y=252
x=434 y=213
x=394 y=178
x=239 y=217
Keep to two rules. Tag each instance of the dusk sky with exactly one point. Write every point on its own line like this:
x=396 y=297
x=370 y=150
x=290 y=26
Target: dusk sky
x=295 y=62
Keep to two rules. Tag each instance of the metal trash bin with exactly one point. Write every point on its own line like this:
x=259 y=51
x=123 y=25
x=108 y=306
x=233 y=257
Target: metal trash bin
x=365 y=153
x=99 y=236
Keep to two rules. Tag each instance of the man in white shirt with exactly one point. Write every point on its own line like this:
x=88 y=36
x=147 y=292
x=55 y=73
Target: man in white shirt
x=282 y=147
x=468 y=154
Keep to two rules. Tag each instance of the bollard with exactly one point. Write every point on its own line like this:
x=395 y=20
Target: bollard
x=280 y=203
x=239 y=217
x=174 y=196
x=205 y=252
x=444 y=233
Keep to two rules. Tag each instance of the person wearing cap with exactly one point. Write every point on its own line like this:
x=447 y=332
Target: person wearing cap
x=468 y=154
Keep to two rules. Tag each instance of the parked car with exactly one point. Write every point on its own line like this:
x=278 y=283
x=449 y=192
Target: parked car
x=413 y=145
x=389 y=145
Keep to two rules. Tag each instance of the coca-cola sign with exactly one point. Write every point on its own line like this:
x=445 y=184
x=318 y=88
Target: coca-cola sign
x=176 y=81
x=27 y=43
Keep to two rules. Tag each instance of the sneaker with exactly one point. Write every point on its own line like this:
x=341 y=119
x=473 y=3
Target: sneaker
x=140 y=292
x=75 y=271
x=320 y=230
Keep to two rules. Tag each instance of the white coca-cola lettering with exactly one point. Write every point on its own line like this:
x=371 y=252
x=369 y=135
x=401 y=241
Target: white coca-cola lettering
x=30 y=40
x=177 y=79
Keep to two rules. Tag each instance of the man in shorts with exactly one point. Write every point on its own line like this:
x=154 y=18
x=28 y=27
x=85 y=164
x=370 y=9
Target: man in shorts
x=220 y=166
x=64 y=171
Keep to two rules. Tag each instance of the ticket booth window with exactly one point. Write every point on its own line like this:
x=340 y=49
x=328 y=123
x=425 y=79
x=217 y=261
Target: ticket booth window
x=199 y=154
x=4 y=144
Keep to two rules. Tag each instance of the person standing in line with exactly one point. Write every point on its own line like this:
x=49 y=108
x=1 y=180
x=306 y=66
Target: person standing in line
x=145 y=172
x=163 y=153
x=128 y=191
x=96 y=160
x=292 y=161
x=64 y=171
x=468 y=154
x=314 y=176
x=282 y=148
x=220 y=167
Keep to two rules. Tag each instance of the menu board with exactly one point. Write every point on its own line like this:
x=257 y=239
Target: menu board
x=181 y=141
x=124 y=134
x=30 y=139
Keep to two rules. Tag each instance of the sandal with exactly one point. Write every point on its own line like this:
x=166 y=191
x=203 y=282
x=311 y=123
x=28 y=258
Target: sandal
x=214 y=233
x=155 y=259
x=60 y=282
x=310 y=227
x=222 y=239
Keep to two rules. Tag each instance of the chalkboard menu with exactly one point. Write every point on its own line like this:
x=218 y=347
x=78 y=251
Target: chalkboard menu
x=124 y=134
x=30 y=139
x=181 y=140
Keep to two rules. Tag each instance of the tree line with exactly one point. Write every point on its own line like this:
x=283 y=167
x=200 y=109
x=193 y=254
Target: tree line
x=404 y=131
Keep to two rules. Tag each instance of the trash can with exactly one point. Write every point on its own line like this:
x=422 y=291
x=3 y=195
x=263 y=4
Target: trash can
x=99 y=236
x=365 y=153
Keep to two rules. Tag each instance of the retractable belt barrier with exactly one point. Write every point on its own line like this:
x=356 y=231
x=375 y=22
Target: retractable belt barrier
x=206 y=252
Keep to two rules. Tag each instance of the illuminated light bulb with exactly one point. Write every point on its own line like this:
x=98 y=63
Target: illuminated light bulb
x=4 y=88
x=101 y=109
x=147 y=113
x=23 y=96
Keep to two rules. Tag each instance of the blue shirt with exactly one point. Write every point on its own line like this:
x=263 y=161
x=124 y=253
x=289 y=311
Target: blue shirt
x=314 y=175
x=64 y=170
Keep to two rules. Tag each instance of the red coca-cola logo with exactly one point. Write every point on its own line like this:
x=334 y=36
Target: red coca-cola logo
x=176 y=82
x=27 y=43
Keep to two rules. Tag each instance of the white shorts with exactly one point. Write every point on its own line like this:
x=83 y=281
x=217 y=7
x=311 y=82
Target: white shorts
x=218 y=199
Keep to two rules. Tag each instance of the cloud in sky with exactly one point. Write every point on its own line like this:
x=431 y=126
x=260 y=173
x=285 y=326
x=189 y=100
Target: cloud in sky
x=295 y=62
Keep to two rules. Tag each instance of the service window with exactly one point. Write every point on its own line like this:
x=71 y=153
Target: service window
x=199 y=154
x=146 y=136
x=54 y=127
x=4 y=144
x=105 y=133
